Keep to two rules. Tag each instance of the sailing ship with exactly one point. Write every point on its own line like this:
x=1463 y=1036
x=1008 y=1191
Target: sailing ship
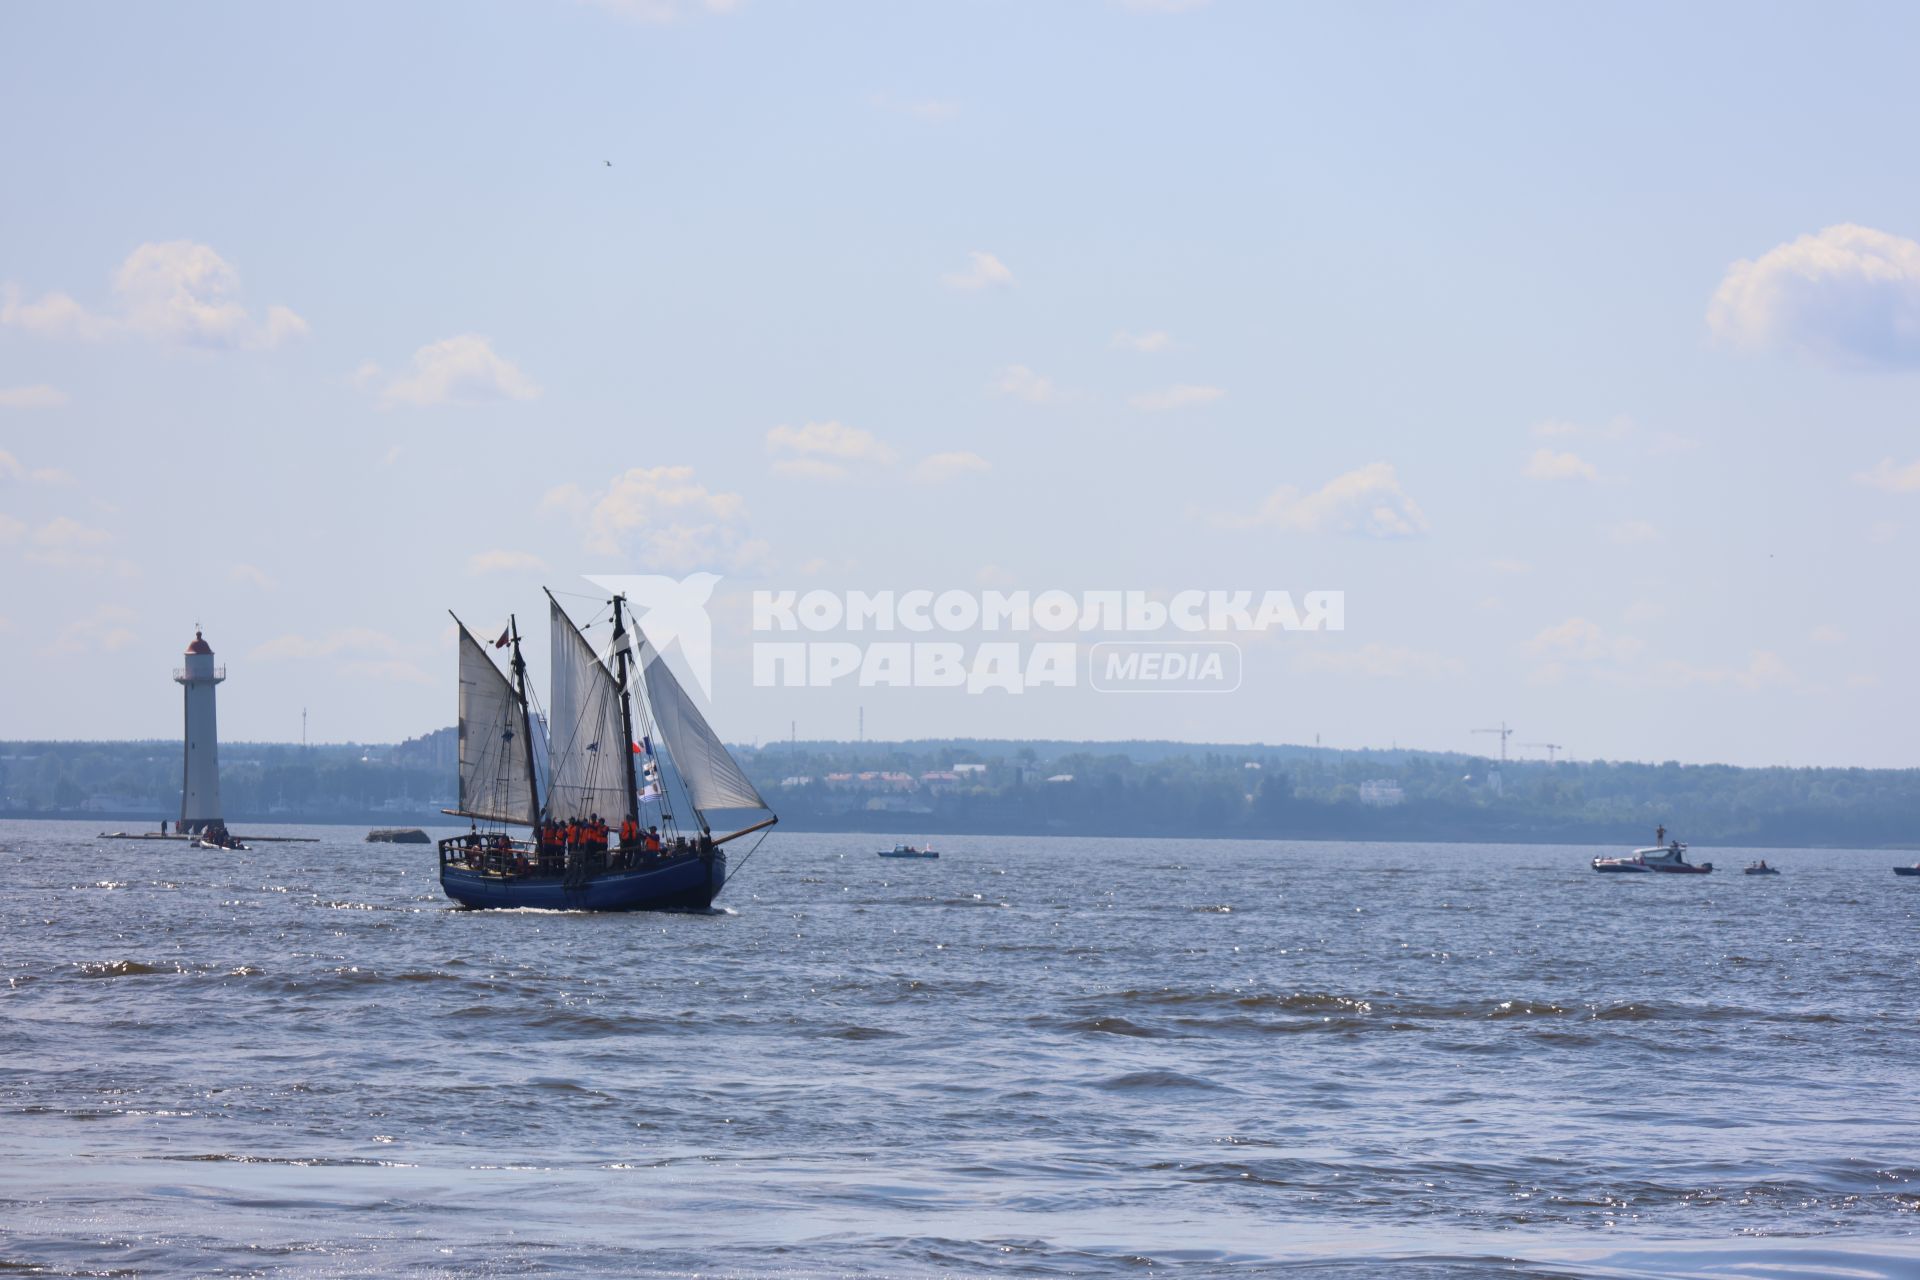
x=648 y=771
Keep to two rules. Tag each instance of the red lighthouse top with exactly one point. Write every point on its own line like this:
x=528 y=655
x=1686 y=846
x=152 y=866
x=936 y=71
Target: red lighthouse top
x=199 y=644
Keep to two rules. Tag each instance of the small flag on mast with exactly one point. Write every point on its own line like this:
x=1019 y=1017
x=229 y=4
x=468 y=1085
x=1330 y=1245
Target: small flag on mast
x=505 y=636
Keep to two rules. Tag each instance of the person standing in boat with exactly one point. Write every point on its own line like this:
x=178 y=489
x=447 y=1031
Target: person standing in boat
x=1660 y=834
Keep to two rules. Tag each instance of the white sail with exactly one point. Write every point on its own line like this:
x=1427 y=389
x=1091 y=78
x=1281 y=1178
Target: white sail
x=587 y=743
x=495 y=777
x=712 y=778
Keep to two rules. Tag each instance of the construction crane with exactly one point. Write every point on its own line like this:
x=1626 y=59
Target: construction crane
x=1504 y=733
x=1551 y=747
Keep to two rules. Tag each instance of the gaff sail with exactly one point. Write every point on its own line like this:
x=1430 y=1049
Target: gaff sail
x=496 y=780
x=586 y=739
x=712 y=778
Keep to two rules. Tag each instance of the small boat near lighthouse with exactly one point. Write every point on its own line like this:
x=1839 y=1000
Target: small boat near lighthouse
x=627 y=795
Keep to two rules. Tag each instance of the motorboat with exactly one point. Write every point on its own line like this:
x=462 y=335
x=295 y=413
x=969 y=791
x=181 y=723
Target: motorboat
x=1913 y=870
x=1670 y=858
x=909 y=851
x=231 y=846
x=1760 y=868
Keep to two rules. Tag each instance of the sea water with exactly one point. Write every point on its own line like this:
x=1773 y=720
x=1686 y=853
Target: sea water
x=1033 y=1057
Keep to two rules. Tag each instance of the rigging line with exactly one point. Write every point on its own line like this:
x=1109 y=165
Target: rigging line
x=743 y=861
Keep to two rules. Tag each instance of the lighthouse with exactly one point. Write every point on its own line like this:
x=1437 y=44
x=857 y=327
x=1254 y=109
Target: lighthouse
x=200 y=776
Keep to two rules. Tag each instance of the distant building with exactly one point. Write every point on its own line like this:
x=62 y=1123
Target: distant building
x=969 y=768
x=1381 y=793
x=1061 y=777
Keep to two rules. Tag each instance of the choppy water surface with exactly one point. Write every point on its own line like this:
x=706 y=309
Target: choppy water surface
x=1033 y=1057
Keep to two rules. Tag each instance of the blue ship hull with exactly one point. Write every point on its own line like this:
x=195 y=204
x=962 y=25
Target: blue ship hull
x=688 y=882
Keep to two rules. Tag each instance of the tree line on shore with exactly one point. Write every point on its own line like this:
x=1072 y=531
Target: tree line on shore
x=956 y=786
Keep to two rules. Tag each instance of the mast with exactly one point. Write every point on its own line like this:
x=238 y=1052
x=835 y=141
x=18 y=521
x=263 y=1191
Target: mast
x=526 y=725
x=626 y=707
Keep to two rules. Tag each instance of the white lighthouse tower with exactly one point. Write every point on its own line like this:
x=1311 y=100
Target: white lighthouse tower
x=200 y=779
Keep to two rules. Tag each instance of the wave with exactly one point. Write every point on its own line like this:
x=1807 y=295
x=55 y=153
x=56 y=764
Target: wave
x=856 y=1032
x=1160 y=1080
x=1402 y=1009
x=124 y=969
x=1105 y=1026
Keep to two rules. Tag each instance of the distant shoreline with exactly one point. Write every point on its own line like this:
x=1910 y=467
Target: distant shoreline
x=134 y=822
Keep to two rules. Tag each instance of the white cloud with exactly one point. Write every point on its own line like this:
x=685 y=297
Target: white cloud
x=12 y=530
x=39 y=396
x=829 y=439
x=1764 y=669
x=664 y=516
x=1632 y=532
x=1546 y=464
x=1156 y=340
x=1582 y=640
x=1827 y=633
x=1368 y=501
x=1178 y=397
x=983 y=270
x=1023 y=383
x=389 y=670
x=169 y=291
x=253 y=576
x=1891 y=478
x=1383 y=661
x=939 y=467
x=65 y=543
x=825 y=450
x=505 y=562
x=11 y=468
x=1848 y=295
x=107 y=629
x=54 y=316
x=463 y=369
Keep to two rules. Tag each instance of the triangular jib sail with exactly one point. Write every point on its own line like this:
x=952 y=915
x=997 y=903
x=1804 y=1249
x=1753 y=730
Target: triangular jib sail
x=712 y=777
x=587 y=741
x=496 y=780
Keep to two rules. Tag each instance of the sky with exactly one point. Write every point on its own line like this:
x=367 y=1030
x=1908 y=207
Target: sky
x=1576 y=346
